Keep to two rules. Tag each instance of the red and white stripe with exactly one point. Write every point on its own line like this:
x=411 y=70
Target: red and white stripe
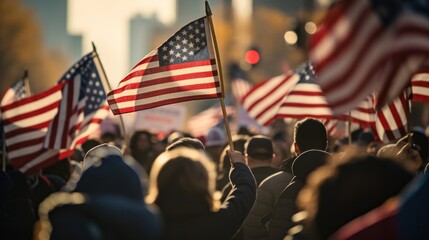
x=240 y=87
x=420 y=86
x=263 y=101
x=25 y=126
x=391 y=121
x=150 y=85
x=331 y=126
x=305 y=100
x=200 y=124
x=354 y=53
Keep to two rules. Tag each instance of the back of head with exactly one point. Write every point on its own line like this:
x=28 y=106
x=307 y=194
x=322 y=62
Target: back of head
x=186 y=142
x=307 y=162
x=259 y=147
x=336 y=195
x=105 y=173
x=310 y=133
x=215 y=137
x=182 y=183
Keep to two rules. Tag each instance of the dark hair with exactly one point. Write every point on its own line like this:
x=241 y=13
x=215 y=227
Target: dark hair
x=342 y=193
x=310 y=133
x=186 y=142
x=136 y=135
x=259 y=147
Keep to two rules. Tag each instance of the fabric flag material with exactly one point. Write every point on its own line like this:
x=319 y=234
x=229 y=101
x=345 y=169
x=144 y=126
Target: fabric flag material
x=14 y=93
x=240 y=87
x=420 y=86
x=331 y=126
x=391 y=121
x=306 y=98
x=26 y=122
x=263 y=101
x=200 y=124
x=181 y=69
x=366 y=46
x=82 y=108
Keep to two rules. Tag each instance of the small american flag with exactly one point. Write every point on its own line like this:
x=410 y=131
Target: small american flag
x=420 y=86
x=391 y=121
x=263 y=101
x=181 y=69
x=26 y=122
x=306 y=98
x=200 y=124
x=14 y=93
x=82 y=108
x=365 y=46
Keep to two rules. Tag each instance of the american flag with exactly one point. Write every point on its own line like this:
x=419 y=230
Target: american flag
x=26 y=122
x=420 y=86
x=331 y=126
x=240 y=87
x=365 y=45
x=391 y=120
x=181 y=69
x=201 y=123
x=82 y=108
x=306 y=98
x=14 y=93
x=263 y=101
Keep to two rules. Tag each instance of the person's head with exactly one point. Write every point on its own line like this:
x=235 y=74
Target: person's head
x=141 y=141
x=215 y=141
x=259 y=150
x=336 y=194
x=186 y=142
x=88 y=144
x=238 y=141
x=310 y=133
x=105 y=173
x=182 y=182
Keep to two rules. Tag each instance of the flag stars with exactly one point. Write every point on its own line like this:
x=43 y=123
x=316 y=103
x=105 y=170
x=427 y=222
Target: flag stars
x=191 y=53
x=97 y=83
x=191 y=36
x=191 y=45
x=203 y=34
x=171 y=52
x=90 y=83
x=164 y=57
x=190 y=27
x=197 y=40
x=184 y=33
x=184 y=41
x=202 y=25
x=165 y=48
x=178 y=55
x=101 y=93
x=93 y=75
x=177 y=38
x=178 y=46
x=171 y=43
x=203 y=43
x=171 y=60
x=197 y=30
x=184 y=58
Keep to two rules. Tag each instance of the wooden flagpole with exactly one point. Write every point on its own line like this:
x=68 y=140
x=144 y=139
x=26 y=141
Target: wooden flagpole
x=219 y=66
x=107 y=83
x=350 y=127
x=4 y=150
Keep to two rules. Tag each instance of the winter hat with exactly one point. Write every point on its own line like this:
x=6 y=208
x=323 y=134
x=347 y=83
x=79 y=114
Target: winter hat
x=259 y=147
x=106 y=173
x=215 y=137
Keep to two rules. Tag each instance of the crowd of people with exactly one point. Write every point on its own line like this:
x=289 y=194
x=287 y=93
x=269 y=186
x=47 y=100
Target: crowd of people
x=300 y=186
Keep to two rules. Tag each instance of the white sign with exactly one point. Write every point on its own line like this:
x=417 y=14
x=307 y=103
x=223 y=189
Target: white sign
x=161 y=119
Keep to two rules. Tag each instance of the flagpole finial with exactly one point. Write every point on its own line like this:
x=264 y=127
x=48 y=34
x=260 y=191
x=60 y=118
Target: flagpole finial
x=25 y=73
x=208 y=10
x=93 y=47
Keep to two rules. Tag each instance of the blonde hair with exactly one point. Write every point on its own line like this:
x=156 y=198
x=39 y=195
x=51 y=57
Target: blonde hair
x=189 y=170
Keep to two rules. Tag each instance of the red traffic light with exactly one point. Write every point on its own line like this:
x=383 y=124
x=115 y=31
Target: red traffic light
x=252 y=57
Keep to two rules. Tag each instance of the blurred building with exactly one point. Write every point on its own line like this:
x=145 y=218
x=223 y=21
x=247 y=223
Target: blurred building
x=52 y=16
x=141 y=31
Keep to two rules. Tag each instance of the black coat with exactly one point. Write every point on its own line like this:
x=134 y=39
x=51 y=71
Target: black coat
x=304 y=164
x=224 y=223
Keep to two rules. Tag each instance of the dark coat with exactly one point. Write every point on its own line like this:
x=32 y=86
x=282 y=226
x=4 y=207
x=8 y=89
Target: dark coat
x=304 y=164
x=224 y=223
